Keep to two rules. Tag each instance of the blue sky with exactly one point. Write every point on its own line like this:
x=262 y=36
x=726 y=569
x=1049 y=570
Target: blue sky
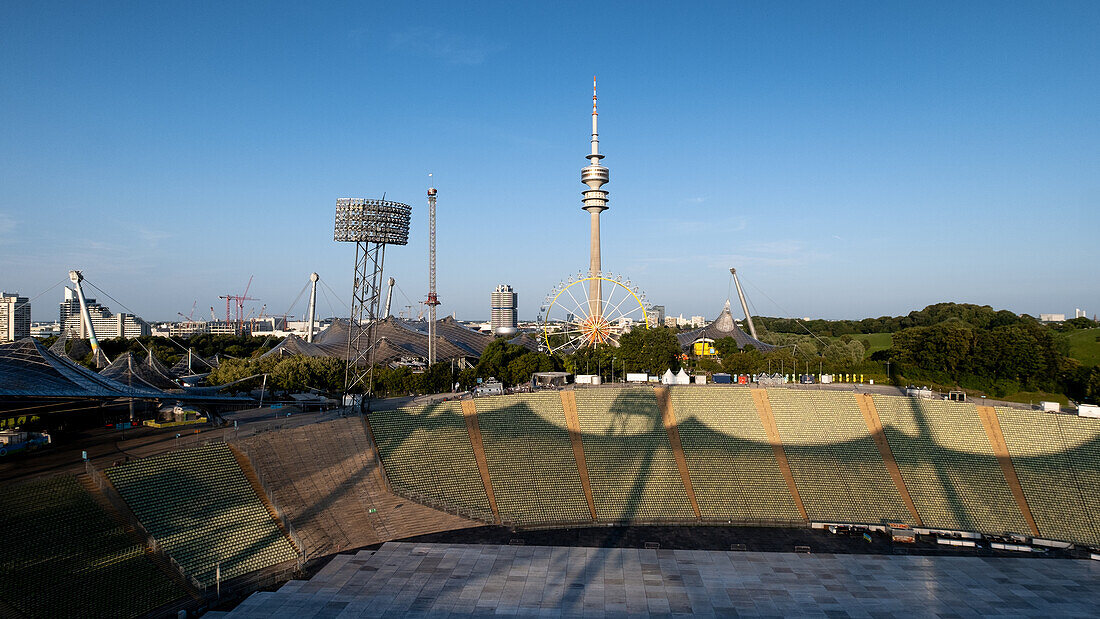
x=850 y=159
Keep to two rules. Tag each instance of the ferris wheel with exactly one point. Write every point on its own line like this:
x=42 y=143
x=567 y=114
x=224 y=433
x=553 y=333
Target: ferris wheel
x=585 y=310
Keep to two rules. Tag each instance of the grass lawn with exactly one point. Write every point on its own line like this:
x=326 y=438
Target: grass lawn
x=1034 y=397
x=1084 y=346
x=875 y=342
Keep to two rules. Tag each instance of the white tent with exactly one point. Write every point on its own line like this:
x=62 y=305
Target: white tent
x=668 y=378
x=682 y=378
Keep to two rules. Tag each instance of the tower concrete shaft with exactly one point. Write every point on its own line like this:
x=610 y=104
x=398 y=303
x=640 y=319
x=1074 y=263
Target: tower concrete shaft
x=433 y=300
x=595 y=202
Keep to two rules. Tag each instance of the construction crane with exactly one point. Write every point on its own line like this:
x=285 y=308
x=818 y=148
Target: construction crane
x=189 y=317
x=238 y=301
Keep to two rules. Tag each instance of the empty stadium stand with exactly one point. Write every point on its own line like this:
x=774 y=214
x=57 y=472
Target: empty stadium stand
x=524 y=437
x=733 y=468
x=63 y=555
x=326 y=479
x=201 y=509
x=427 y=455
x=837 y=467
x=1057 y=460
x=948 y=465
x=630 y=462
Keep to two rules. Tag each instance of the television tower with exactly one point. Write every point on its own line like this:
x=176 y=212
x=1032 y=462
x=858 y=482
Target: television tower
x=433 y=300
x=595 y=202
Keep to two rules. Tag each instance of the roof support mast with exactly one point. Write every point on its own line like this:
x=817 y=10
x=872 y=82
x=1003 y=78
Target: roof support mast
x=313 y=277
x=389 y=297
x=744 y=305
x=76 y=277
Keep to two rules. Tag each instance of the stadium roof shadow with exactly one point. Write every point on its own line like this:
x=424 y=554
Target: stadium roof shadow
x=951 y=464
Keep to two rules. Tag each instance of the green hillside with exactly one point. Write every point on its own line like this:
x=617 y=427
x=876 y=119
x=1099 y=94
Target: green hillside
x=874 y=342
x=1084 y=346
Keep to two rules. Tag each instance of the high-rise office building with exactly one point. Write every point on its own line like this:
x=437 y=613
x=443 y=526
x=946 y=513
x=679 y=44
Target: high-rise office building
x=15 y=317
x=106 y=324
x=655 y=317
x=502 y=318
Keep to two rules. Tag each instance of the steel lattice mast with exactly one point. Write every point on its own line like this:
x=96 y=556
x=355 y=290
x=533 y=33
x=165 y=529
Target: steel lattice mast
x=371 y=225
x=433 y=300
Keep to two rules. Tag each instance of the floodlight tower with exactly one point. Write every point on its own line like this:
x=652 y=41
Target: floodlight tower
x=595 y=202
x=371 y=225
x=433 y=300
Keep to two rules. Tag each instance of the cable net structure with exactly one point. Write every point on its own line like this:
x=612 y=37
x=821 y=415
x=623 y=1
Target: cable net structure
x=371 y=225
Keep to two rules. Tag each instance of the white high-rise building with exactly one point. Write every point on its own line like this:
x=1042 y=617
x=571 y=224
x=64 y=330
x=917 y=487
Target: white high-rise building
x=655 y=317
x=1079 y=313
x=105 y=324
x=15 y=317
x=502 y=316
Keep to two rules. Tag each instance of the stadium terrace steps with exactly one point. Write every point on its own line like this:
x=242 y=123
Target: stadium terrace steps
x=1057 y=461
x=530 y=458
x=630 y=462
x=469 y=413
x=733 y=468
x=65 y=556
x=198 y=505
x=837 y=467
x=668 y=420
x=948 y=465
x=326 y=479
x=427 y=453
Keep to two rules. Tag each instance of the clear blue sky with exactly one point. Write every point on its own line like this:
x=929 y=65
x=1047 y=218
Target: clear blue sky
x=850 y=159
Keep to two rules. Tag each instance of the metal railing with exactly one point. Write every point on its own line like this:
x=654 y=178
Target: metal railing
x=287 y=526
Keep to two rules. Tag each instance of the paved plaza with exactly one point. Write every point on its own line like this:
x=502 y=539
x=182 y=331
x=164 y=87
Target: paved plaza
x=462 y=580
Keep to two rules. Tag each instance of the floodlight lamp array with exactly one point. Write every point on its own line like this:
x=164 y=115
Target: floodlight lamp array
x=372 y=221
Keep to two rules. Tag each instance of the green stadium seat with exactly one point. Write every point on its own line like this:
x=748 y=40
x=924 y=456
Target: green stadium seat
x=1057 y=460
x=836 y=465
x=64 y=556
x=631 y=466
x=948 y=465
x=426 y=451
x=203 y=512
x=733 y=468
x=523 y=430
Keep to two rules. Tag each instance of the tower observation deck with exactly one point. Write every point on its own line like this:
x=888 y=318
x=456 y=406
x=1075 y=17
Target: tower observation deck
x=595 y=202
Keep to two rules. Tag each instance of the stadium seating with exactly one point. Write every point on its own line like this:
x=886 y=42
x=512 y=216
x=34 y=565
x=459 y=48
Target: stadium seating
x=1057 y=460
x=427 y=451
x=733 y=468
x=525 y=436
x=630 y=462
x=63 y=555
x=836 y=465
x=948 y=465
x=203 y=512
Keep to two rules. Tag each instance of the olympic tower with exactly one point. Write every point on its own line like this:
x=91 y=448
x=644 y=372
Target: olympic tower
x=595 y=202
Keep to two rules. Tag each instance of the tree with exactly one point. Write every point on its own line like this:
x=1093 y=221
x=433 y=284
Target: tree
x=650 y=350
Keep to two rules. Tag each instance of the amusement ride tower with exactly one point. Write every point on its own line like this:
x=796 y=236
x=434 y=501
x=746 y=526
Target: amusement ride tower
x=595 y=202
